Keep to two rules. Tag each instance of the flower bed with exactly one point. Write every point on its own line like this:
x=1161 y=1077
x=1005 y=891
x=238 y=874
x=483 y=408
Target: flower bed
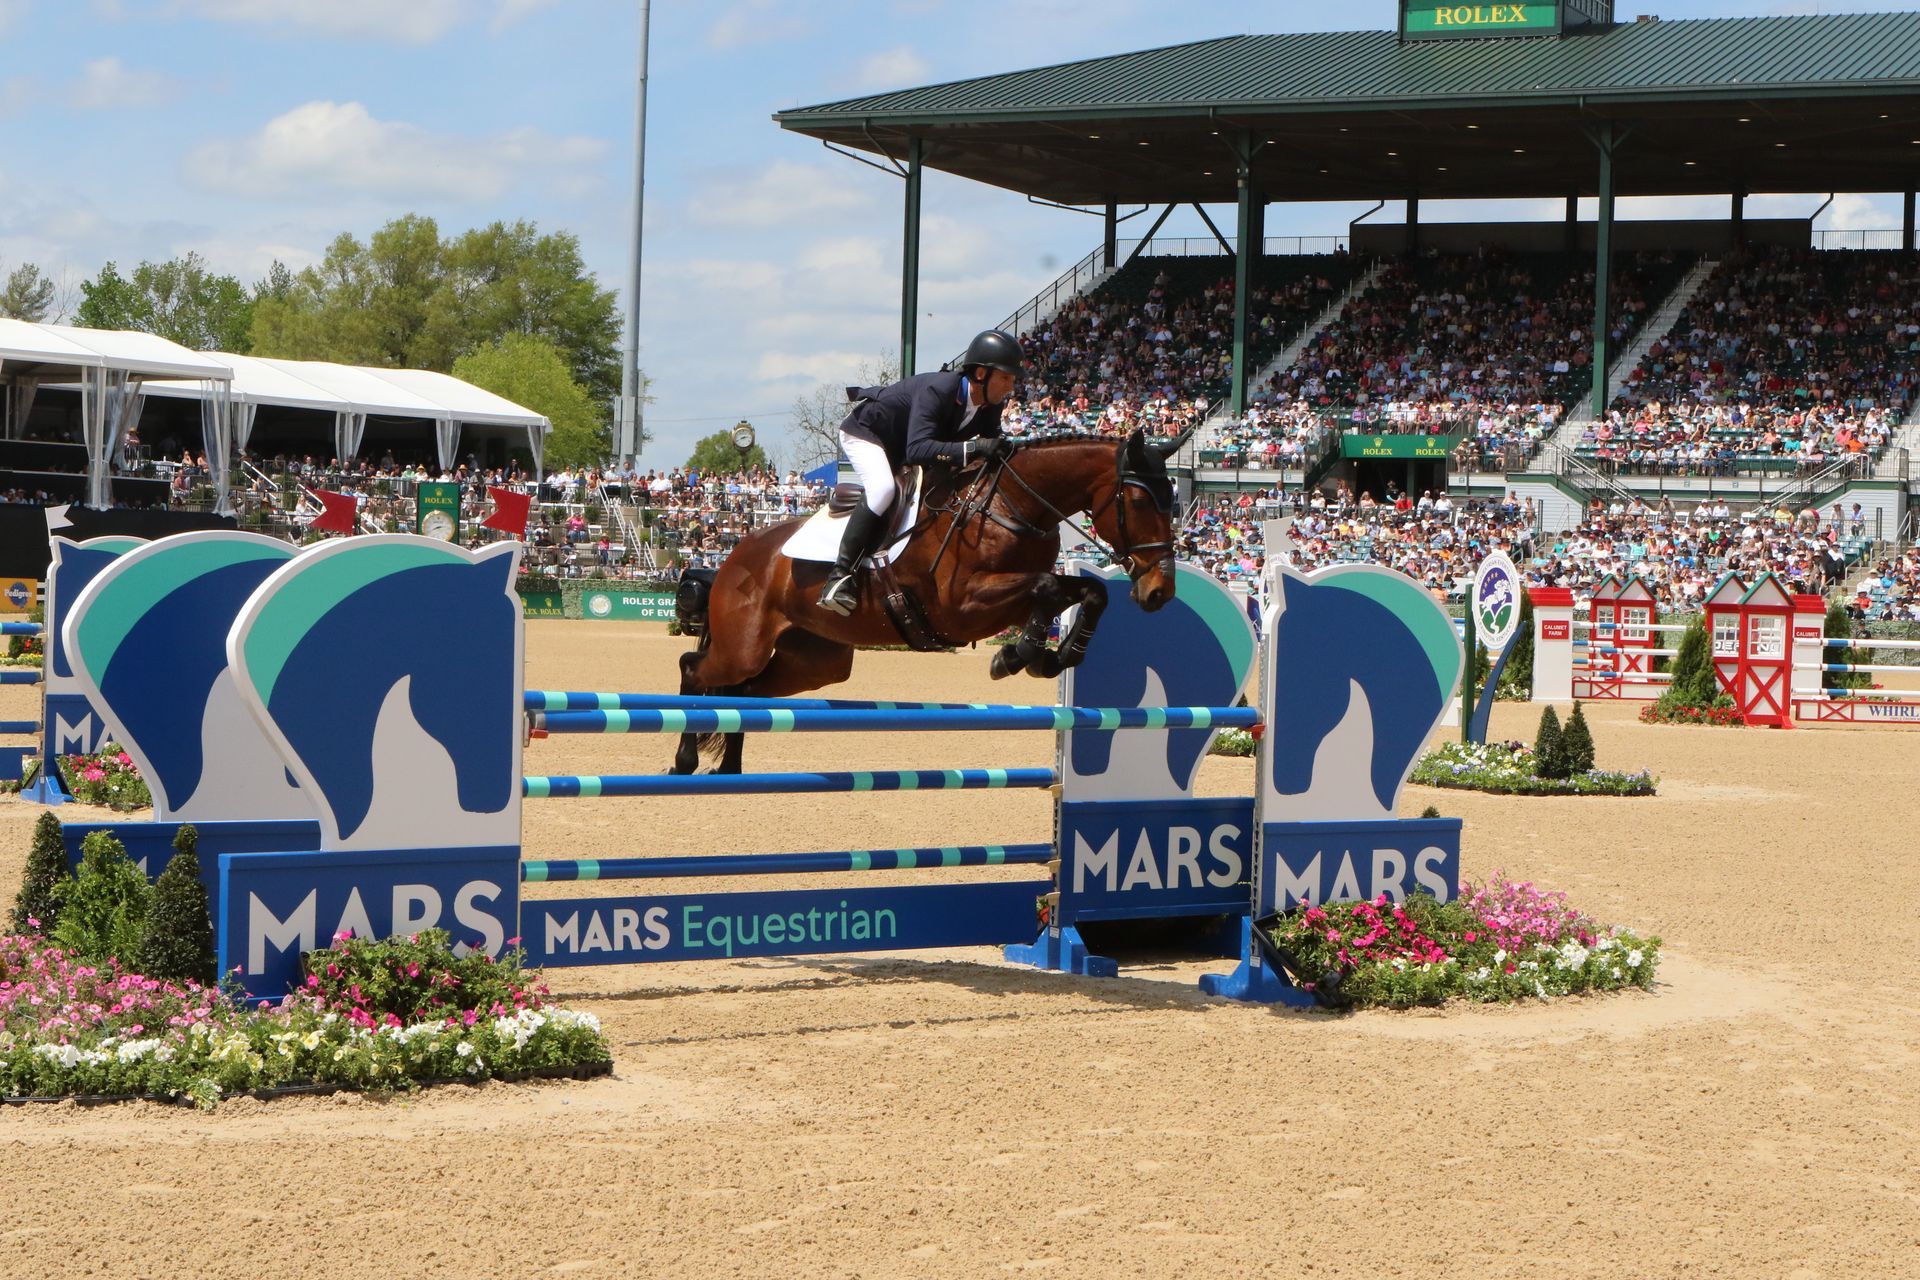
x=109 y=778
x=1501 y=941
x=69 y=1028
x=1721 y=714
x=1233 y=742
x=1507 y=768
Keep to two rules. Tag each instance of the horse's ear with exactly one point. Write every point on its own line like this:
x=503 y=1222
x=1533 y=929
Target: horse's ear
x=1164 y=449
x=1135 y=448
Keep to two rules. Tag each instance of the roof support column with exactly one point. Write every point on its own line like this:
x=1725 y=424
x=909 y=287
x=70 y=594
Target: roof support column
x=1739 y=218
x=1110 y=240
x=1242 y=267
x=1573 y=224
x=1606 y=137
x=910 y=261
x=1413 y=223
x=1906 y=221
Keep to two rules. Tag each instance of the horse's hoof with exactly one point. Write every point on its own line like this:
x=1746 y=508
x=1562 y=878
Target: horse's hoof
x=1006 y=662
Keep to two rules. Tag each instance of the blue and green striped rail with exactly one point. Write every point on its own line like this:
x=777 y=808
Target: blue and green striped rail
x=557 y=700
x=761 y=784
x=845 y=720
x=773 y=864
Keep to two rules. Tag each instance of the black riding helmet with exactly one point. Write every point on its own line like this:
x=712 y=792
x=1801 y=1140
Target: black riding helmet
x=992 y=349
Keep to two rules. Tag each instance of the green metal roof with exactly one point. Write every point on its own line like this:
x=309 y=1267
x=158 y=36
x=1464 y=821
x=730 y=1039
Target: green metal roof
x=1780 y=104
x=1742 y=57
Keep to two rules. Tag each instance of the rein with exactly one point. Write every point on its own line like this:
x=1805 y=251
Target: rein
x=1125 y=553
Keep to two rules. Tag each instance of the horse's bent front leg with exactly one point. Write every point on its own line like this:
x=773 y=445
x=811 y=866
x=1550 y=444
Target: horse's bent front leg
x=1052 y=596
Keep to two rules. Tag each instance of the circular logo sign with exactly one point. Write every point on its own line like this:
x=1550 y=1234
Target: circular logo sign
x=1495 y=600
x=598 y=605
x=17 y=594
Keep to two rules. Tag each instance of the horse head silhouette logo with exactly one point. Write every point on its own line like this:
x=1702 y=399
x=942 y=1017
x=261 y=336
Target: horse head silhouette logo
x=146 y=640
x=1362 y=662
x=1196 y=651
x=387 y=673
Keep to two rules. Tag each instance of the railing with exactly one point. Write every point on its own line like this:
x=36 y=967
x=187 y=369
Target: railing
x=1859 y=239
x=1208 y=247
x=1079 y=276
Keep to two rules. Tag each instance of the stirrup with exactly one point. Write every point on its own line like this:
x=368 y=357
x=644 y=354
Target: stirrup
x=841 y=595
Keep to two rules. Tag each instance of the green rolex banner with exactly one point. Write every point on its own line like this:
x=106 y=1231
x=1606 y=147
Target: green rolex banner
x=1397 y=446
x=436 y=511
x=541 y=604
x=628 y=606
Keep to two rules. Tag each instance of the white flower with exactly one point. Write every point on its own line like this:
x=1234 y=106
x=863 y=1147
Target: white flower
x=65 y=1055
x=464 y=1049
x=311 y=1040
x=1633 y=959
x=1500 y=956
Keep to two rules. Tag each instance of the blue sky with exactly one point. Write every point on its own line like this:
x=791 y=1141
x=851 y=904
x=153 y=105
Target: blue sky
x=247 y=130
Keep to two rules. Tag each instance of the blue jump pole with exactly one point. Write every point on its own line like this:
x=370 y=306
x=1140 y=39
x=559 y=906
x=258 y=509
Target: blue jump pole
x=773 y=864
x=837 y=720
x=555 y=700
x=762 y=784
x=26 y=675
x=20 y=628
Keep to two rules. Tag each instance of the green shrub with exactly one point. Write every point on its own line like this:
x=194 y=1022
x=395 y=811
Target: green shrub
x=46 y=868
x=1548 y=752
x=1516 y=678
x=178 y=943
x=103 y=910
x=1693 y=684
x=1576 y=743
x=1839 y=626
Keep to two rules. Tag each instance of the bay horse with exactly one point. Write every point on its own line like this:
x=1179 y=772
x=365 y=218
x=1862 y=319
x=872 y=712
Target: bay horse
x=979 y=560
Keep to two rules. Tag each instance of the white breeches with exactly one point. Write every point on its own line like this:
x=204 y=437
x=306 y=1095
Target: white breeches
x=875 y=471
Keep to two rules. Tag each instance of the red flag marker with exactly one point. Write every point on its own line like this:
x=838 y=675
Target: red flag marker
x=510 y=510
x=337 y=512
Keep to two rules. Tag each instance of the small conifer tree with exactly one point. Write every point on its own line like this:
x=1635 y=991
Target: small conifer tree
x=178 y=944
x=1839 y=626
x=1518 y=674
x=46 y=867
x=1576 y=743
x=1549 y=757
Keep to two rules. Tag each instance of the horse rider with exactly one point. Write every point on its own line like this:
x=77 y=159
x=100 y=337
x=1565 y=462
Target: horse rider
x=951 y=417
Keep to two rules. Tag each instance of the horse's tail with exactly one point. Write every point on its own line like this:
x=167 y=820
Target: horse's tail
x=690 y=601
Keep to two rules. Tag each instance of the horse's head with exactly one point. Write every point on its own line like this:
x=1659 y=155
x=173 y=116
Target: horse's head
x=1137 y=518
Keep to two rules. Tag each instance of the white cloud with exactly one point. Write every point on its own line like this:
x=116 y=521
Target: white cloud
x=783 y=194
x=401 y=21
x=509 y=12
x=106 y=84
x=11 y=10
x=751 y=22
x=340 y=146
x=892 y=68
x=807 y=367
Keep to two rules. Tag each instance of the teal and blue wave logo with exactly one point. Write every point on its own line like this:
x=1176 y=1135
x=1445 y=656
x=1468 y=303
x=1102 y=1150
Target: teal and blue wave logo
x=146 y=640
x=1195 y=651
x=388 y=671
x=1363 y=662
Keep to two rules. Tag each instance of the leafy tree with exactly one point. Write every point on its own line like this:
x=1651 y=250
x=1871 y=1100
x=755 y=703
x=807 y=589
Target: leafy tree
x=103 y=909
x=28 y=294
x=46 y=868
x=530 y=371
x=179 y=299
x=717 y=455
x=406 y=298
x=817 y=415
x=178 y=942
x=1576 y=742
x=1549 y=755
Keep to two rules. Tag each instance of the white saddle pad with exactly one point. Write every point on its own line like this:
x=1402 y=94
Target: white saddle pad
x=819 y=538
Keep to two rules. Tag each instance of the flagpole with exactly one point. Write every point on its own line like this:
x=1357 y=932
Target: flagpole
x=627 y=438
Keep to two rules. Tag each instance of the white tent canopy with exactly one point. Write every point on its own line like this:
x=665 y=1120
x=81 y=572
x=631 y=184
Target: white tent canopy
x=112 y=369
x=352 y=393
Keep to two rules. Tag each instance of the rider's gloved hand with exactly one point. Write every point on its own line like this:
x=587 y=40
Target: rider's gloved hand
x=990 y=449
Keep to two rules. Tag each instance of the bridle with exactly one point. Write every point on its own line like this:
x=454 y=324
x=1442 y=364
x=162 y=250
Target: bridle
x=1124 y=551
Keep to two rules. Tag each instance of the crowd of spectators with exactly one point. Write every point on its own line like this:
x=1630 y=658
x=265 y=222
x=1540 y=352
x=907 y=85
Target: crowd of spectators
x=1491 y=347
x=1704 y=439
x=1682 y=554
x=1169 y=336
x=1889 y=590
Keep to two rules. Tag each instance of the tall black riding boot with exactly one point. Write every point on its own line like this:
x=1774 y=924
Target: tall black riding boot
x=842 y=592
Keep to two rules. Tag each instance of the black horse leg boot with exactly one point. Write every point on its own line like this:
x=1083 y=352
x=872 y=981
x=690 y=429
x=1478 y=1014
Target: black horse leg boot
x=842 y=592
